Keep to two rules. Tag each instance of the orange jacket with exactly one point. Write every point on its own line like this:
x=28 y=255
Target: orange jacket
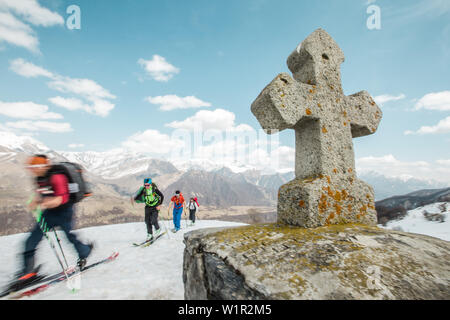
x=178 y=200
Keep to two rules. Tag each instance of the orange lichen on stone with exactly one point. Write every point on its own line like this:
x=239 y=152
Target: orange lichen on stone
x=338 y=209
x=323 y=204
x=301 y=203
x=344 y=194
x=328 y=179
x=345 y=123
x=350 y=208
x=337 y=196
x=363 y=210
x=330 y=217
x=335 y=170
x=324 y=130
x=330 y=192
x=319 y=105
x=308 y=112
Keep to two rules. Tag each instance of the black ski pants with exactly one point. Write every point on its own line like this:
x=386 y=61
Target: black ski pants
x=192 y=214
x=151 y=218
x=55 y=218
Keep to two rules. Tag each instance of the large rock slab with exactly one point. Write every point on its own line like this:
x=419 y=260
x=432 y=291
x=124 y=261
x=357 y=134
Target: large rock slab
x=274 y=261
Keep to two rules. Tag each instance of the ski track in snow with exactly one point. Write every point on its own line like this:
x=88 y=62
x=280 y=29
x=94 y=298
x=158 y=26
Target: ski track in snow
x=155 y=272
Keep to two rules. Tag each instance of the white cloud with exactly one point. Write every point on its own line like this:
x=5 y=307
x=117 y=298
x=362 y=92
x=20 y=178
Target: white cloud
x=158 y=68
x=217 y=138
x=388 y=165
x=84 y=87
x=387 y=98
x=31 y=11
x=29 y=70
x=152 y=142
x=439 y=101
x=442 y=127
x=55 y=127
x=445 y=162
x=71 y=104
x=244 y=148
x=15 y=31
x=101 y=107
x=75 y=145
x=98 y=107
x=173 y=102
x=96 y=96
x=27 y=110
x=218 y=119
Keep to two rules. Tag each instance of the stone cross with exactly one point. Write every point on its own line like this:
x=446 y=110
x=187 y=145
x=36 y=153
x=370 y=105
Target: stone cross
x=325 y=190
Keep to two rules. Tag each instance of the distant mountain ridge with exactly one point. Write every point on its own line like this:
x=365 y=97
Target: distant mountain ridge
x=123 y=171
x=416 y=199
x=386 y=187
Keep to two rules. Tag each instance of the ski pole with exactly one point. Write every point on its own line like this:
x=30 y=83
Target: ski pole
x=60 y=247
x=167 y=230
x=168 y=216
x=44 y=230
x=43 y=226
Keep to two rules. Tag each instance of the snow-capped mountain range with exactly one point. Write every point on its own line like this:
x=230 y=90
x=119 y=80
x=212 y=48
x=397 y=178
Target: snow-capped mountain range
x=9 y=142
x=119 y=164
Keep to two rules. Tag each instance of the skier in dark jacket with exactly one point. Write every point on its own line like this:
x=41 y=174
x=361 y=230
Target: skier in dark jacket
x=153 y=198
x=193 y=209
x=53 y=197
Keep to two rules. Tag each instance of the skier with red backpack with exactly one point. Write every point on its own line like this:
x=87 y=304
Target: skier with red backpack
x=178 y=207
x=57 y=192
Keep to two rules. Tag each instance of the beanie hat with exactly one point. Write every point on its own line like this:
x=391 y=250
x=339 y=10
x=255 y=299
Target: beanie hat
x=37 y=161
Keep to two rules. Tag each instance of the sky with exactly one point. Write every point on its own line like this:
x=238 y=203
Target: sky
x=137 y=75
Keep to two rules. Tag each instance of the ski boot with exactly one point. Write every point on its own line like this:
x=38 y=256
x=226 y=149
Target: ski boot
x=81 y=263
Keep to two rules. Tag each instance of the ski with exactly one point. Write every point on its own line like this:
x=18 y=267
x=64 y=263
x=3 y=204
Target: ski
x=62 y=278
x=149 y=242
x=153 y=240
x=39 y=280
x=140 y=244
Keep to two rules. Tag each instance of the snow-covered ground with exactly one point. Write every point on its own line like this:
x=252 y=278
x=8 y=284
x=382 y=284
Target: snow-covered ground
x=154 y=272
x=415 y=222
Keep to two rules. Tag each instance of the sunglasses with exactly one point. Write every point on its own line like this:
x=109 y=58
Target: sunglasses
x=147 y=185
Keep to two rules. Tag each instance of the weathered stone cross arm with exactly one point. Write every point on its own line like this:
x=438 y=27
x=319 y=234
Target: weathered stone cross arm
x=315 y=91
x=363 y=113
